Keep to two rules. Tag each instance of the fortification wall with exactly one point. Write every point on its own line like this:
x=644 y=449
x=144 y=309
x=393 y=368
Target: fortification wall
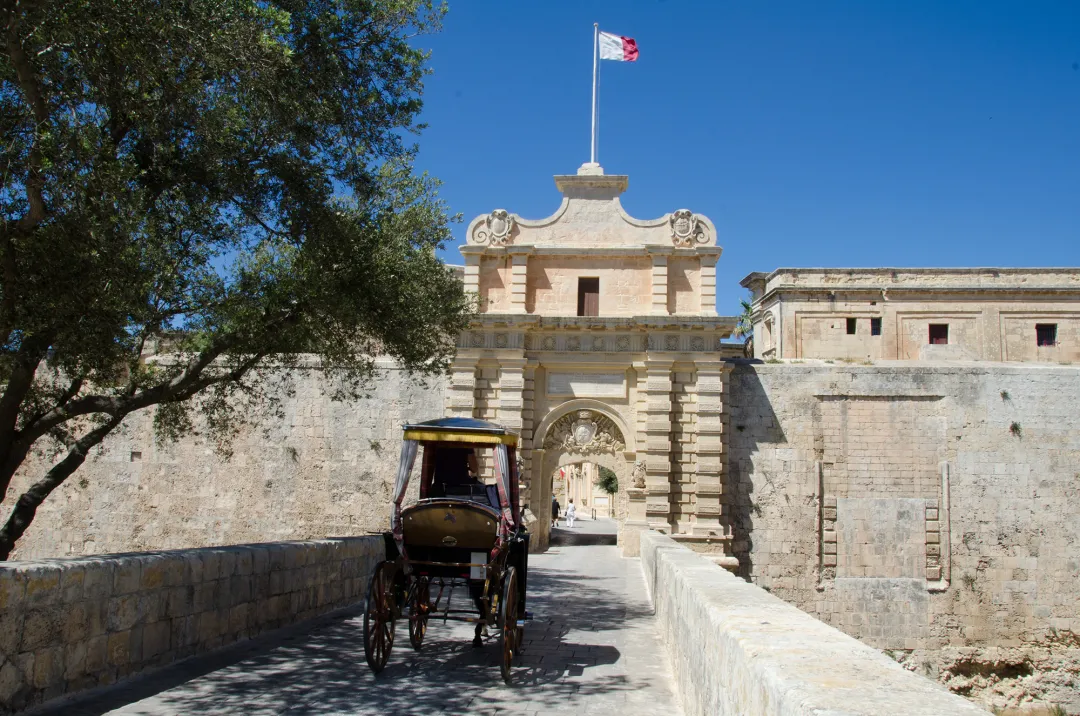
x=323 y=469
x=929 y=510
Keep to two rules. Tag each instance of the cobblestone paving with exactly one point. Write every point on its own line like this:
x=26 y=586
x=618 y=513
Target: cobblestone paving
x=591 y=648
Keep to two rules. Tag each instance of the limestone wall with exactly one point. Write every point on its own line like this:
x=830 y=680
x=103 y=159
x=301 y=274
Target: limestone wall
x=323 y=469
x=925 y=509
x=67 y=625
x=735 y=649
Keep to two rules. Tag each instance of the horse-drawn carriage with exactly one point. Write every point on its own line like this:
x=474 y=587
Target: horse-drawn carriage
x=461 y=534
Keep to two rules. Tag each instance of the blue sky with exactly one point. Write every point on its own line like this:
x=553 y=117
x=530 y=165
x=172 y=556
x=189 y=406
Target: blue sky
x=811 y=133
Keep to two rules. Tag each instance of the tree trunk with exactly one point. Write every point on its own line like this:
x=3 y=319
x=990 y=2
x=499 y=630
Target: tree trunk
x=28 y=502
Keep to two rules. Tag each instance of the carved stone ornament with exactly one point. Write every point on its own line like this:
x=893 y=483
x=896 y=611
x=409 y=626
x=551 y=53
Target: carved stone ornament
x=638 y=475
x=584 y=432
x=496 y=229
x=686 y=230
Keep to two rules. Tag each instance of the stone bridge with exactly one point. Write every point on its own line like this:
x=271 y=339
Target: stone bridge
x=276 y=629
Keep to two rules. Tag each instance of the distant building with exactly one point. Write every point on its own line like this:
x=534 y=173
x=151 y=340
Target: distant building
x=990 y=314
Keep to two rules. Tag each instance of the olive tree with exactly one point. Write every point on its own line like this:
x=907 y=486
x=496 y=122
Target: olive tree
x=195 y=192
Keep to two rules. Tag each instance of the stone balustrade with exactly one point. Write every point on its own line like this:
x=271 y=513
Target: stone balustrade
x=736 y=649
x=67 y=625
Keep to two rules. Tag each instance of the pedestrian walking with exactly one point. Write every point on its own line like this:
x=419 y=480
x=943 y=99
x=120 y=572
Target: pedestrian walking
x=554 y=512
x=571 y=513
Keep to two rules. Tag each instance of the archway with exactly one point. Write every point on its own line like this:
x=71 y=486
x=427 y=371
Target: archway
x=576 y=432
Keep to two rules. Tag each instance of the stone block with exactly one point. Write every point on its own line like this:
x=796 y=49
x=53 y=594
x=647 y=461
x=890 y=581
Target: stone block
x=124 y=612
x=76 y=623
x=48 y=667
x=42 y=627
x=155 y=639
x=127 y=576
x=97 y=653
x=828 y=560
x=933 y=574
x=11 y=683
x=829 y=514
x=42 y=585
x=12 y=588
x=931 y=513
x=75 y=660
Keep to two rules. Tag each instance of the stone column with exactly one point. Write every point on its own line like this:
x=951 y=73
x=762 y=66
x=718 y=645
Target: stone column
x=526 y=446
x=659 y=283
x=657 y=442
x=519 y=257
x=710 y=518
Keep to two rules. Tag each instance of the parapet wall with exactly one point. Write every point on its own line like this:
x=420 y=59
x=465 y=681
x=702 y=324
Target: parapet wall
x=67 y=625
x=736 y=649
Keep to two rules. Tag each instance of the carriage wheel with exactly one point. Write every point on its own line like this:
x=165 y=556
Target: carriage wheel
x=509 y=622
x=379 y=616
x=419 y=605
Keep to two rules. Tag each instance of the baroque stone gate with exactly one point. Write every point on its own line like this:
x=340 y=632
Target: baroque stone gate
x=598 y=339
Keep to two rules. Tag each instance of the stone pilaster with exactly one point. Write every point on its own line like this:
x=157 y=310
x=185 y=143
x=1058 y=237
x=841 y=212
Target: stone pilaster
x=510 y=389
x=659 y=306
x=708 y=284
x=710 y=516
x=472 y=273
x=657 y=442
x=461 y=397
x=528 y=395
x=518 y=278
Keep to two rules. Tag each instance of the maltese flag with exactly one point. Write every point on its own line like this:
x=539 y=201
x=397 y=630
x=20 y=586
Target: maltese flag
x=616 y=47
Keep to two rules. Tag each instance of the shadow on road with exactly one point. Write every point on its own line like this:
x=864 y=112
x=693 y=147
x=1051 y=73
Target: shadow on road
x=322 y=670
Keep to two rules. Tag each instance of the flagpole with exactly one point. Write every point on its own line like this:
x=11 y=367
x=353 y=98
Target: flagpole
x=595 y=74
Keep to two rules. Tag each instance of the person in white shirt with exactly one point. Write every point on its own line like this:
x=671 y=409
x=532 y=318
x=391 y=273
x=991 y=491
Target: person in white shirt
x=571 y=513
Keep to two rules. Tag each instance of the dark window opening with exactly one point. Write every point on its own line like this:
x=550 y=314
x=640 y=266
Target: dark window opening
x=1046 y=334
x=588 y=297
x=875 y=326
x=939 y=334
x=851 y=326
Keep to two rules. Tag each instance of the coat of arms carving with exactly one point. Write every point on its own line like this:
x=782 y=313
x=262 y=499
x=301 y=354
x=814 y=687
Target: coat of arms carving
x=686 y=230
x=585 y=432
x=496 y=229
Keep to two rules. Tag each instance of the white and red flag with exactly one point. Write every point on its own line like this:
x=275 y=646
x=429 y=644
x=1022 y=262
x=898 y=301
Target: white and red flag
x=617 y=47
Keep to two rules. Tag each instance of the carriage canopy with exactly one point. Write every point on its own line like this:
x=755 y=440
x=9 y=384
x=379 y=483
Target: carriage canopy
x=447 y=442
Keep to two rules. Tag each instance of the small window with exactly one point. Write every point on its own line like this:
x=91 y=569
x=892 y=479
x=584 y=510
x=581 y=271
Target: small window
x=851 y=326
x=939 y=334
x=875 y=326
x=1046 y=334
x=588 y=297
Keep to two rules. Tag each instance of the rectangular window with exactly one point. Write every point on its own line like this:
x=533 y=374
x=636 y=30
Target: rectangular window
x=588 y=297
x=851 y=326
x=1046 y=334
x=939 y=334
x=875 y=326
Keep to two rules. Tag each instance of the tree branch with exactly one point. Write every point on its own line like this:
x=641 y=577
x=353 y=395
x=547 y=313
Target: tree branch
x=35 y=97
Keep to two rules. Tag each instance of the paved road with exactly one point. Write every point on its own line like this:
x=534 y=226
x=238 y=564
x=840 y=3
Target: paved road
x=591 y=649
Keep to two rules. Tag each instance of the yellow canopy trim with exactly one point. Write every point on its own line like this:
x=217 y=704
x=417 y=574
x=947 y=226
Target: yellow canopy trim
x=442 y=436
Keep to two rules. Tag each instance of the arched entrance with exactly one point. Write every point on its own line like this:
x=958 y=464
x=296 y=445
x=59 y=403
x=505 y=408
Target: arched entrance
x=575 y=432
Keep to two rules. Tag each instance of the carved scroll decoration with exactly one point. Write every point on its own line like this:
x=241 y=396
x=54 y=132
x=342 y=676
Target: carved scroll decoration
x=585 y=432
x=496 y=229
x=686 y=230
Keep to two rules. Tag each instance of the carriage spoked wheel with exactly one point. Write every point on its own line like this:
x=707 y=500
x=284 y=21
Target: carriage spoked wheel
x=379 y=610
x=509 y=621
x=419 y=606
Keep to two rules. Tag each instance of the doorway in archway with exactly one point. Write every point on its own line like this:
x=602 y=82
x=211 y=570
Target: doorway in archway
x=591 y=486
